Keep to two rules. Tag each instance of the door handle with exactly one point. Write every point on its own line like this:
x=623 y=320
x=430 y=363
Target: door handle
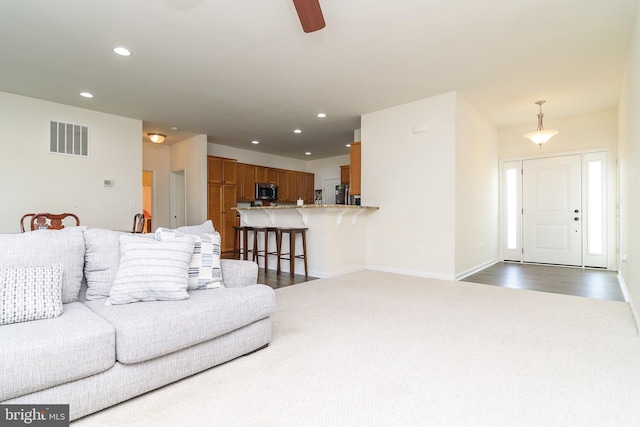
x=576 y=219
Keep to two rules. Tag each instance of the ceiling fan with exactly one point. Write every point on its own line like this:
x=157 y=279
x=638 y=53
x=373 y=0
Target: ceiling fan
x=310 y=15
x=309 y=12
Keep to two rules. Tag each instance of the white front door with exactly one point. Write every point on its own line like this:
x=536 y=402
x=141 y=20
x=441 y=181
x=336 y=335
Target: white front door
x=552 y=216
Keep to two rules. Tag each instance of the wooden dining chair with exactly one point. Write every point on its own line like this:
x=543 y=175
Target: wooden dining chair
x=138 y=223
x=46 y=221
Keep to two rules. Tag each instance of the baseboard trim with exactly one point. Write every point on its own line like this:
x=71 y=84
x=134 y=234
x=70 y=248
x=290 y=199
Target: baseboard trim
x=336 y=273
x=474 y=270
x=411 y=273
x=627 y=298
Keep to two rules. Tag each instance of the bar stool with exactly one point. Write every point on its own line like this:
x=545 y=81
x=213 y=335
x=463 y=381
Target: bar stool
x=291 y=256
x=241 y=236
x=264 y=252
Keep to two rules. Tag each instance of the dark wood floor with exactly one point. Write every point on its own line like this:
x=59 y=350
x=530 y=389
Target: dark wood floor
x=271 y=278
x=600 y=284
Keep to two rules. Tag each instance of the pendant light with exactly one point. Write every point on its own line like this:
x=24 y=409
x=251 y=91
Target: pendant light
x=540 y=135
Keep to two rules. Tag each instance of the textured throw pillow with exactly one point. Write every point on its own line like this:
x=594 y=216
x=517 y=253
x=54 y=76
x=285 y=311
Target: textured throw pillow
x=204 y=267
x=197 y=230
x=151 y=270
x=30 y=293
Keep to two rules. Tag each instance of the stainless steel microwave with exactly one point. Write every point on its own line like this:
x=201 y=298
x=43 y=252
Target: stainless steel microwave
x=266 y=191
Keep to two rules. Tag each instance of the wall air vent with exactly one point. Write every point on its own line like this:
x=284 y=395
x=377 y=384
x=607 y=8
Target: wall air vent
x=70 y=139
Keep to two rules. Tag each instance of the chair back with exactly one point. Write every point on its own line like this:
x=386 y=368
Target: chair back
x=138 y=223
x=46 y=221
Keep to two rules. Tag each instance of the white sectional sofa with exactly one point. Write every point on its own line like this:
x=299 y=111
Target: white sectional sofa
x=95 y=354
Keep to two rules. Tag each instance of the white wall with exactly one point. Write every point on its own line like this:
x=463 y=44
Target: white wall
x=411 y=177
x=629 y=155
x=476 y=190
x=326 y=168
x=157 y=158
x=33 y=180
x=190 y=155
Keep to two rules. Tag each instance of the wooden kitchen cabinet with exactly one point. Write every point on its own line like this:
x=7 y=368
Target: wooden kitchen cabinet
x=304 y=187
x=292 y=187
x=261 y=174
x=355 y=167
x=246 y=182
x=221 y=198
x=287 y=186
x=272 y=176
x=221 y=170
x=345 y=171
x=265 y=174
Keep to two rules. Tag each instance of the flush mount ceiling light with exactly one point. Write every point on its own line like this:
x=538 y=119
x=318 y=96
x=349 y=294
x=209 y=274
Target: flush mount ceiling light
x=297 y=131
x=156 y=138
x=122 y=51
x=307 y=153
x=86 y=95
x=540 y=135
x=255 y=142
x=321 y=115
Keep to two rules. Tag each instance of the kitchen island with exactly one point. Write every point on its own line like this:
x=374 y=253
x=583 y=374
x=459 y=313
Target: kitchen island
x=336 y=236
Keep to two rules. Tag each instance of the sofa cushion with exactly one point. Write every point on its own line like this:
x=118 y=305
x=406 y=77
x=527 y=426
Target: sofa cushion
x=151 y=270
x=30 y=293
x=204 y=267
x=148 y=330
x=44 y=353
x=48 y=247
x=102 y=260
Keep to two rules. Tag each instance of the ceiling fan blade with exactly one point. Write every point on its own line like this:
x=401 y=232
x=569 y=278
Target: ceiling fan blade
x=310 y=15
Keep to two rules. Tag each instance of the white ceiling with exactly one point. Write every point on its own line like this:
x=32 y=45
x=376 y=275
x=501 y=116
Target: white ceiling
x=239 y=70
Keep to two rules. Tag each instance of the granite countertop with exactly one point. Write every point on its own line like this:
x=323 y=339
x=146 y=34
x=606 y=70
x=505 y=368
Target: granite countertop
x=306 y=207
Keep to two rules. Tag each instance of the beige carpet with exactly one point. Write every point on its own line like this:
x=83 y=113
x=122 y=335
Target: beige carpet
x=379 y=349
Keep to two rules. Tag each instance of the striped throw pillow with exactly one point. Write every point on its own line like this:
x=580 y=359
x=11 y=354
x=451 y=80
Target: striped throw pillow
x=152 y=271
x=204 y=267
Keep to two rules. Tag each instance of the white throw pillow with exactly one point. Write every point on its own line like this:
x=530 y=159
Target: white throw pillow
x=204 y=267
x=151 y=270
x=197 y=230
x=30 y=293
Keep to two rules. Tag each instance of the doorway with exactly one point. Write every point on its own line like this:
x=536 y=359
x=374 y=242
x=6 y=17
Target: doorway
x=147 y=200
x=554 y=210
x=178 y=199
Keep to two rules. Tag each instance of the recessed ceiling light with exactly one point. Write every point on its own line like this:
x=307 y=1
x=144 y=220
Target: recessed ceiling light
x=321 y=115
x=174 y=128
x=122 y=51
x=86 y=94
x=348 y=145
x=307 y=153
x=297 y=131
x=255 y=142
